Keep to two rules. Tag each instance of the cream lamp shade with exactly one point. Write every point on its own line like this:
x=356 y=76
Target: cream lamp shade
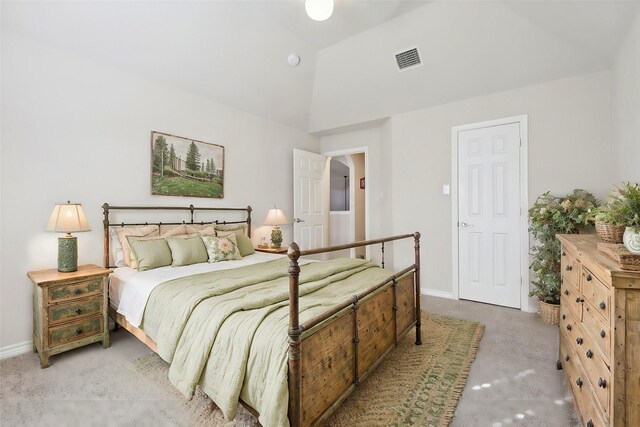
x=68 y=219
x=276 y=217
x=319 y=10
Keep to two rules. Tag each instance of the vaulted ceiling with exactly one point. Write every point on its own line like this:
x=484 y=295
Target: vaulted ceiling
x=234 y=52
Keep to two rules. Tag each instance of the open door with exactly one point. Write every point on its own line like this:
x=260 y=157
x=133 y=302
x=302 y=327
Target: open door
x=309 y=211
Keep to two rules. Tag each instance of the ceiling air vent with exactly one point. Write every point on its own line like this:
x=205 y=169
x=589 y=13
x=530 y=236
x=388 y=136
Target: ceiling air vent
x=408 y=59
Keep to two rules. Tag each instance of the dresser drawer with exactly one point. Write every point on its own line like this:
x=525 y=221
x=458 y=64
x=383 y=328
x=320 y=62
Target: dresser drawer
x=596 y=293
x=598 y=329
x=596 y=370
x=568 y=322
x=570 y=268
x=59 y=335
x=77 y=309
x=570 y=299
x=583 y=395
x=75 y=290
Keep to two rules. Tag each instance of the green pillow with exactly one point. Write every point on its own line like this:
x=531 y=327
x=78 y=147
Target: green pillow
x=187 y=251
x=150 y=254
x=221 y=248
x=245 y=245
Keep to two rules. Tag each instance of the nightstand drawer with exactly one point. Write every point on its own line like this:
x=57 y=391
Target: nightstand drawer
x=75 y=290
x=70 y=332
x=63 y=312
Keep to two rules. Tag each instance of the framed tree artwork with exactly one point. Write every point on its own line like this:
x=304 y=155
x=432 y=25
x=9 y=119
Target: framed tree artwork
x=186 y=167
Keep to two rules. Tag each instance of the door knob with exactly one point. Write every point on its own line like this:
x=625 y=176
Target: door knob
x=298 y=220
x=464 y=224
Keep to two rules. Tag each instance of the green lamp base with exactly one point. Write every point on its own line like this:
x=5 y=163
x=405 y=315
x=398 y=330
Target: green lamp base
x=276 y=237
x=67 y=253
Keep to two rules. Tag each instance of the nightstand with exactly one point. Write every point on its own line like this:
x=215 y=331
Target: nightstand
x=70 y=310
x=280 y=250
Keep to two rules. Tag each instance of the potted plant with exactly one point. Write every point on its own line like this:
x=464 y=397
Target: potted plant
x=625 y=205
x=609 y=224
x=551 y=215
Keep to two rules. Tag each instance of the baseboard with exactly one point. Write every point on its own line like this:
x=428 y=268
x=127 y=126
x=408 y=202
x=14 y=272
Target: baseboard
x=16 y=349
x=434 y=293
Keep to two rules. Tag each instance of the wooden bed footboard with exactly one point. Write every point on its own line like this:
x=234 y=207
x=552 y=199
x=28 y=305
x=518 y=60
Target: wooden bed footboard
x=330 y=354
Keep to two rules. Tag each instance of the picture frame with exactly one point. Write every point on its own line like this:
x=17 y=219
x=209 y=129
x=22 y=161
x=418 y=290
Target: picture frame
x=186 y=167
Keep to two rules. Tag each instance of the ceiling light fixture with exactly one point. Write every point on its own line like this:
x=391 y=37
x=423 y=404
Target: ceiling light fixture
x=319 y=10
x=293 y=59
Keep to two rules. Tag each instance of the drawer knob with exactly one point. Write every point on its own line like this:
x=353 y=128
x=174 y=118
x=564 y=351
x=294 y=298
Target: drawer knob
x=603 y=305
x=78 y=311
x=77 y=291
x=603 y=333
x=564 y=253
x=590 y=354
x=566 y=358
x=569 y=268
x=579 y=341
x=589 y=278
x=78 y=331
x=568 y=327
x=579 y=383
x=590 y=423
x=602 y=383
x=566 y=292
x=579 y=300
x=564 y=316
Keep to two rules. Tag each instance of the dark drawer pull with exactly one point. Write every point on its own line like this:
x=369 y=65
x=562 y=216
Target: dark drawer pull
x=603 y=305
x=602 y=383
x=578 y=300
x=78 y=311
x=589 y=278
x=77 y=291
x=589 y=354
x=78 y=331
x=603 y=333
x=564 y=253
x=566 y=358
x=579 y=382
x=579 y=341
x=564 y=316
x=569 y=268
x=568 y=327
x=590 y=423
x=566 y=292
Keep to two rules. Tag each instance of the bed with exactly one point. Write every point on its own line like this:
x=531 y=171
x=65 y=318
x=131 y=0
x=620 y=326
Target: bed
x=287 y=337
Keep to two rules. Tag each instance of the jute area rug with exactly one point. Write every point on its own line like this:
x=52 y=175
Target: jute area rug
x=414 y=385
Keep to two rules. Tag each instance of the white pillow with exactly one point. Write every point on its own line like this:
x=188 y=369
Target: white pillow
x=116 y=253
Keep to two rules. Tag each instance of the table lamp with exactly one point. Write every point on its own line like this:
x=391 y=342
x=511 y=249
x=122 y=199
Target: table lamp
x=276 y=218
x=68 y=218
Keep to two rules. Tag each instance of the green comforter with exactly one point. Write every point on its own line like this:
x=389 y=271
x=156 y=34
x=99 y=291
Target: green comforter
x=227 y=330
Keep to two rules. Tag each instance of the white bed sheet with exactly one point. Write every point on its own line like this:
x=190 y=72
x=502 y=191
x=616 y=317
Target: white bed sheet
x=129 y=289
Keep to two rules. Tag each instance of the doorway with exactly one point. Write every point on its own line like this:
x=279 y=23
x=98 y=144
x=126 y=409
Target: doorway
x=347 y=193
x=490 y=238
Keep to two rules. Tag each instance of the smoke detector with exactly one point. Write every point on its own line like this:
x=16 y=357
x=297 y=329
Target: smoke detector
x=409 y=58
x=293 y=59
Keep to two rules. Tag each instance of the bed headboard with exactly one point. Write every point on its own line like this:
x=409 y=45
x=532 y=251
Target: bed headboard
x=107 y=209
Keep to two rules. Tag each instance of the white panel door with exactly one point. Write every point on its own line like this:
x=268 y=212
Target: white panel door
x=310 y=214
x=489 y=214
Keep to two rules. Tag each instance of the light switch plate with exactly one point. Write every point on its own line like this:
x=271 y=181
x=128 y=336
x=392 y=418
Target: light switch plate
x=445 y=189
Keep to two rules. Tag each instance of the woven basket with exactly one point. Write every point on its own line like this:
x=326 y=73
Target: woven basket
x=610 y=233
x=550 y=313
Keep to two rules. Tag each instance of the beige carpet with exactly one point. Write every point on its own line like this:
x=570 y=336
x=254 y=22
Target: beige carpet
x=415 y=385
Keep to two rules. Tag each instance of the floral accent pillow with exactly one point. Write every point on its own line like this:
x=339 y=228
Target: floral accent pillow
x=221 y=248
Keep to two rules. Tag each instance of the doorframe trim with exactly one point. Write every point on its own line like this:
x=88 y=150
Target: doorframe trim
x=522 y=120
x=368 y=174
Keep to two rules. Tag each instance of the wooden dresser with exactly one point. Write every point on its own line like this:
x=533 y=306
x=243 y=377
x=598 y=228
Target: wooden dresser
x=600 y=333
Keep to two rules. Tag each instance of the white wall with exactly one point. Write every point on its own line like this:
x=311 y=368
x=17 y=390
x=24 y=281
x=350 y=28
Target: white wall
x=626 y=107
x=569 y=147
x=74 y=130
